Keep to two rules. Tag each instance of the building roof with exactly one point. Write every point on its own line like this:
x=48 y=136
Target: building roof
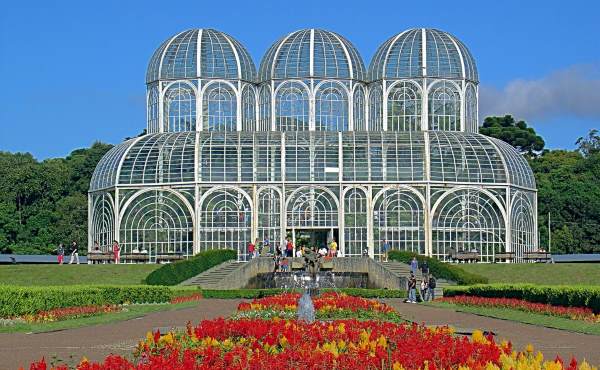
x=200 y=53
x=423 y=52
x=312 y=53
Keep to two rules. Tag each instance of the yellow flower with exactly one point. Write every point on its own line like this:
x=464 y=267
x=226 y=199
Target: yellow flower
x=227 y=344
x=149 y=338
x=84 y=360
x=341 y=345
x=529 y=348
x=342 y=328
x=382 y=342
x=397 y=366
x=167 y=338
x=478 y=337
x=283 y=341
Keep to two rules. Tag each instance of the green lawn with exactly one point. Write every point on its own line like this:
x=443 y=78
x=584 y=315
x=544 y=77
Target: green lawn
x=548 y=321
x=132 y=311
x=29 y=275
x=538 y=273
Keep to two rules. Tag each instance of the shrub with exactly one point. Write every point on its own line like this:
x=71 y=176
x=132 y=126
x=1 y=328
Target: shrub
x=175 y=273
x=259 y=293
x=574 y=296
x=17 y=301
x=440 y=269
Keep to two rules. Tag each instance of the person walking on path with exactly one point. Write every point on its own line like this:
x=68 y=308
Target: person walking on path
x=289 y=248
x=74 y=253
x=60 y=253
x=412 y=289
x=386 y=250
x=414 y=266
x=431 y=287
x=424 y=289
x=116 y=251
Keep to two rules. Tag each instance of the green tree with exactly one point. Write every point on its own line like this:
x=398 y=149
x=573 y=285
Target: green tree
x=517 y=134
x=589 y=145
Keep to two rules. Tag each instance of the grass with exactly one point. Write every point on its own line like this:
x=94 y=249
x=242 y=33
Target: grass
x=43 y=275
x=538 y=273
x=132 y=312
x=548 y=321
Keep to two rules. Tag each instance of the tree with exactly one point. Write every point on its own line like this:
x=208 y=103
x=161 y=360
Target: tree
x=517 y=134
x=589 y=145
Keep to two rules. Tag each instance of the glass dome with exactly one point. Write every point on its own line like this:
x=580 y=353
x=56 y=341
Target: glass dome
x=423 y=52
x=201 y=53
x=312 y=53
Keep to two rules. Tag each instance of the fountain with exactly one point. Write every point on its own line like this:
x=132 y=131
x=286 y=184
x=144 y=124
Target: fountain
x=312 y=266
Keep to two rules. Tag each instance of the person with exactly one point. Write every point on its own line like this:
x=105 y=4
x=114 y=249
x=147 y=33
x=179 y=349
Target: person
x=251 y=250
x=333 y=248
x=414 y=266
x=74 y=252
x=431 y=287
x=266 y=245
x=60 y=253
x=423 y=289
x=289 y=248
x=425 y=269
x=299 y=252
x=322 y=251
x=116 y=250
x=412 y=289
x=256 y=243
x=386 y=249
x=285 y=263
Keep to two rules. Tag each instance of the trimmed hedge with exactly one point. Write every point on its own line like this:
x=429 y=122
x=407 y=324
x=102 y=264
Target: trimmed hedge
x=258 y=293
x=440 y=269
x=16 y=301
x=177 y=272
x=574 y=296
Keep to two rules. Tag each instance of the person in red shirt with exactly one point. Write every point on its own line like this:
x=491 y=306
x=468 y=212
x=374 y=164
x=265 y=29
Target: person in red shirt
x=116 y=250
x=251 y=249
x=289 y=248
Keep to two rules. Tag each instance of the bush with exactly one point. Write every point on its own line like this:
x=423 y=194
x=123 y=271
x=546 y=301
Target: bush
x=175 y=273
x=574 y=296
x=440 y=269
x=17 y=301
x=259 y=293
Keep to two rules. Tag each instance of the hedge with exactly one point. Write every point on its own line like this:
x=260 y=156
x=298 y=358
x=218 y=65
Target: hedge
x=177 y=272
x=16 y=301
x=575 y=296
x=258 y=293
x=440 y=269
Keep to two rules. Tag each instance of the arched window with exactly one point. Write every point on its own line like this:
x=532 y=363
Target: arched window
x=269 y=216
x=471 y=109
x=355 y=222
x=291 y=107
x=468 y=220
x=375 y=106
x=159 y=222
x=264 y=108
x=312 y=207
x=219 y=109
x=444 y=107
x=103 y=221
x=404 y=107
x=153 y=110
x=180 y=108
x=331 y=108
x=522 y=225
x=360 y=123
x=248 y=109
x=399 y=218
x=225 y=222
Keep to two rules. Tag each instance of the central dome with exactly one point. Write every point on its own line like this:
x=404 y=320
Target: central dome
x=201 y=53
x=312 y=53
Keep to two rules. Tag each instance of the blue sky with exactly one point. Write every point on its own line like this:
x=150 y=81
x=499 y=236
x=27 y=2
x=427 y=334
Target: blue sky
x=73 y=71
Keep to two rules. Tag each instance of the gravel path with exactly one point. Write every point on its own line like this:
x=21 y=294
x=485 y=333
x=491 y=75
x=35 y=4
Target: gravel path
x=549 y=341
x=96 y=342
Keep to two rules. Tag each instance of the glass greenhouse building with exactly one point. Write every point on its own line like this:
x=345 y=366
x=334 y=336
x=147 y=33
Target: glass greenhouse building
x=314 y=144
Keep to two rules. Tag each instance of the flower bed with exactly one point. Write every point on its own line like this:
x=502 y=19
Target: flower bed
x=70 y=313
x=575 y=313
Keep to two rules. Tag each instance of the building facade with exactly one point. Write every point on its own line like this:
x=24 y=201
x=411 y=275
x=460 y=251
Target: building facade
x=314 y=144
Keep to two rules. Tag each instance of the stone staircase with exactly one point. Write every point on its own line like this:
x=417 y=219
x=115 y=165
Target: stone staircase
x=403 y=270
x=210 y=278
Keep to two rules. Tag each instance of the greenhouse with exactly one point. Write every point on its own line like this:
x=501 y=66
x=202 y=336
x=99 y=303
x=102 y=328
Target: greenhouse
x=313 y=147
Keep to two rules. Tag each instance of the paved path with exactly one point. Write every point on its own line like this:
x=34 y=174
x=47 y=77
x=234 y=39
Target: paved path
x=549 y=341
x=96 y=342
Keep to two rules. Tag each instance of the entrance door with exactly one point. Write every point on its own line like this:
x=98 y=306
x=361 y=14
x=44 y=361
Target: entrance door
x=313 y=237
